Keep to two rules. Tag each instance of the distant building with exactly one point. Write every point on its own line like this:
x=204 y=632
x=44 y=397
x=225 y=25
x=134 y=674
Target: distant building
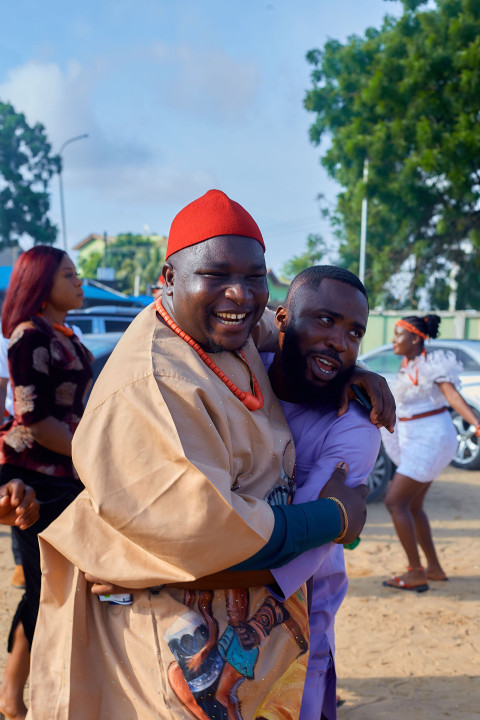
x=95 y=243
x=92 y=243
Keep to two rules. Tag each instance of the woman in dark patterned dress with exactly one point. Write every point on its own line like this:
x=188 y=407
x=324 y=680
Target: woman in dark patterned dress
x=50 y=376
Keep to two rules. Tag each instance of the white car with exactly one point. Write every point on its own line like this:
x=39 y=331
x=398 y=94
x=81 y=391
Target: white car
x=383 y=361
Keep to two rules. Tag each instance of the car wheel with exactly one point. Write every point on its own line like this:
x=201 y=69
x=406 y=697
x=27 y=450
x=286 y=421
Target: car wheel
x=468 y=451
x=380 y=476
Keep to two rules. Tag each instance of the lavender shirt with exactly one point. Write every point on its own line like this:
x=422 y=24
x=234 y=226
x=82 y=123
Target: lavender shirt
x=322 y=440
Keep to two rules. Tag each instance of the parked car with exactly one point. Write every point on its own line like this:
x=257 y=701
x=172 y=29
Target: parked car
x=101 y=346
x=103 y=318
x=383 y=361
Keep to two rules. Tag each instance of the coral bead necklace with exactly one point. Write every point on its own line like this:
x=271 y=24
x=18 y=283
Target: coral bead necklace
x=251 y=402
x=414 y=379
x=64 y=329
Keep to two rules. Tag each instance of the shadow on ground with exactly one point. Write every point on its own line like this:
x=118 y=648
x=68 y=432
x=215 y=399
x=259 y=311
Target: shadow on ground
x=410 y=698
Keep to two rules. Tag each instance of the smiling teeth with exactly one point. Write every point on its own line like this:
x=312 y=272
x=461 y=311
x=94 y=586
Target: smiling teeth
x=231 y=318
x=325 y=366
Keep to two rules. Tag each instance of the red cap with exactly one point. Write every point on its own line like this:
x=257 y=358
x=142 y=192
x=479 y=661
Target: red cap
x=211 y=215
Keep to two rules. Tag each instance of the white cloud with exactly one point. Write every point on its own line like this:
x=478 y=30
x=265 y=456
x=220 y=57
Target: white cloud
x=60 y=101
x=126 y=174
x=63 y=103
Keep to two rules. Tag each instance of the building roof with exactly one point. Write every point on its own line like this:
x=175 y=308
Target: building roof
x=91 y=238
x=160 y=239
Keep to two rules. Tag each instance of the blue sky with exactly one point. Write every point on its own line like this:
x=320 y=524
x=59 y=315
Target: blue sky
x=177 y=97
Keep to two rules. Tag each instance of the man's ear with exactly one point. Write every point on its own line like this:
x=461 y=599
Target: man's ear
x=281 y=318
x=168 y=274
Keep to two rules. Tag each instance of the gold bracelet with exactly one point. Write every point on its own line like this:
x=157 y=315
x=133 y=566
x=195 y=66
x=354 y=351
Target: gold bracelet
x=345 y=519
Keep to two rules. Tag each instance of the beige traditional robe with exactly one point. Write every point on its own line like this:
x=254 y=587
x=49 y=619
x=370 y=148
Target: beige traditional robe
x=176 y=471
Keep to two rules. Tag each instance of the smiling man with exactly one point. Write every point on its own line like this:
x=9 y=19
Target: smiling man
x=321 y=327
x=188 y=466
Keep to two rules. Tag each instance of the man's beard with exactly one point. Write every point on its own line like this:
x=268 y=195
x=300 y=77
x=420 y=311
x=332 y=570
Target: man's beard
x=294 y=365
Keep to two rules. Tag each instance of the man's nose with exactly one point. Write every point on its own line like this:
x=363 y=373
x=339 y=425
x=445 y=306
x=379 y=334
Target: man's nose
x=337 y=340
x=237 y=291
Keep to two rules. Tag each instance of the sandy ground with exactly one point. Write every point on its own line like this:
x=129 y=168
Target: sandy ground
x=400 y=655
x=409 y=655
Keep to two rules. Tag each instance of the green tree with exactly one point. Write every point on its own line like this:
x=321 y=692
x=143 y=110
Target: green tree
x=131 y=256
x=26 y=168
x=407 y=98
x=89 y=265
x=316 y=249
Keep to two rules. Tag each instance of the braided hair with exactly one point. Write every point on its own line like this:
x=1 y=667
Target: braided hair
x=428 y=324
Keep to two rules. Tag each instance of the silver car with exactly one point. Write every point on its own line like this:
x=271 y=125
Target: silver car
x=103 y=318
x=382 y=360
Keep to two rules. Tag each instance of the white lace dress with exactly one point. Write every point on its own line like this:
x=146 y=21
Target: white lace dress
x=423 y=447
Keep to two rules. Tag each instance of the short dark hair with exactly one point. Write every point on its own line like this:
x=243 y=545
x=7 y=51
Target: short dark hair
x=312 y=277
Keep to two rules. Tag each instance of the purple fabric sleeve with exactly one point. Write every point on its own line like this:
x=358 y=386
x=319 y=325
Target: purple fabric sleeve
x=328 y=440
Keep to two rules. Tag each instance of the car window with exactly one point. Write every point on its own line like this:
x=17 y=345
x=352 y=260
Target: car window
x=384 y=362
x=115 y=325
x=85 y=324
x=467 y=361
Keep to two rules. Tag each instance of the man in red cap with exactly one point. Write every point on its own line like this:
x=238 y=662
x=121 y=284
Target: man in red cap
x=188 y=465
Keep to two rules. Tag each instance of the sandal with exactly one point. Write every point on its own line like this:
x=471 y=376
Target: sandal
x=399 y=584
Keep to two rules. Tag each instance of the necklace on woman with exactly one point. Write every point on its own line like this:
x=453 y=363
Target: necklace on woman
x=414 y=380
x=251 y=402
x=64 y=329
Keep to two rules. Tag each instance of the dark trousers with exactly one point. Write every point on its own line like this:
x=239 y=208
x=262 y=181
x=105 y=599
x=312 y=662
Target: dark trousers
x=16 y=550
x=54 y=495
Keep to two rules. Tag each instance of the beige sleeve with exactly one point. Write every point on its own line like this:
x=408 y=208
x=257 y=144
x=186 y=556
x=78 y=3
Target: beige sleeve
x=159 y=479
x=265 y=333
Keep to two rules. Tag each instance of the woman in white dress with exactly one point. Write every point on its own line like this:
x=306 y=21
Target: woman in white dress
x=424 y=442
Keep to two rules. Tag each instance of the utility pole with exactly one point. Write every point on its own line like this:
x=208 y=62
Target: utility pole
x=363 y=227
x=60 y=181
x=105 y=249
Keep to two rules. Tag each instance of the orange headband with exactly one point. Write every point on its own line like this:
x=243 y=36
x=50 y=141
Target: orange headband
x=411 y=328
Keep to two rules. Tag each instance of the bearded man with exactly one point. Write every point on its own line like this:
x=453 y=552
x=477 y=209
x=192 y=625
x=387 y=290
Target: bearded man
x=321 y=326
x=183 y=450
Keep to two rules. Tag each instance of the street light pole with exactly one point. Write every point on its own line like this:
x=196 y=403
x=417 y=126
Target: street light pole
x=60 y=182
x=363 y=227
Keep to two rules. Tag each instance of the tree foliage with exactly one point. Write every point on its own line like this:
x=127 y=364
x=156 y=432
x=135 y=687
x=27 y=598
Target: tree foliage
x=313 y=255
x=131 y=256
x=26 y=167
x=407 y=98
